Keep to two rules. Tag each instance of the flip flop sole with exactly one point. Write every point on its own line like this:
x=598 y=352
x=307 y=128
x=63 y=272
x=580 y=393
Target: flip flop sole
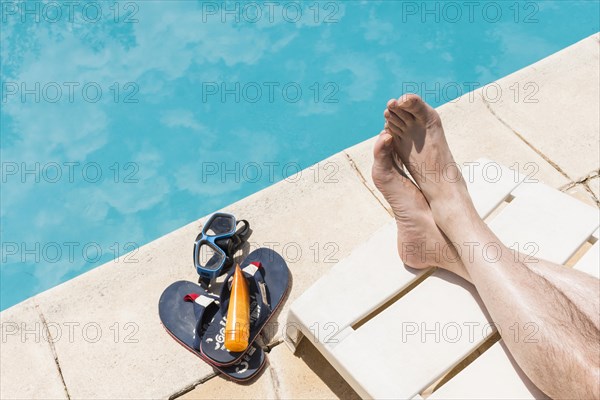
x=179 y=318
x=276 y=278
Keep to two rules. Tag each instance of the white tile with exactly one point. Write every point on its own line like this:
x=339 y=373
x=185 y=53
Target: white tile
x=493 y=375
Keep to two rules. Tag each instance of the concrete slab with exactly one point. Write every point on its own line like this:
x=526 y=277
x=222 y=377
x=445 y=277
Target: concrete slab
x=361 y=158
x=474 y=132
x=263 y=387
x=117 y=337
x=307 y=374
x=29 y=370
x=555 y=106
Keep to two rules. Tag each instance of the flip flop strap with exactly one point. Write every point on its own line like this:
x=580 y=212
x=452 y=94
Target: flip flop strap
x=254 y=273
x=255 y=270
x=201 y=301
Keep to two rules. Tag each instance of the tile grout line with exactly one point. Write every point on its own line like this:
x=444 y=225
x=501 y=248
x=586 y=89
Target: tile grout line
x=195 y=384
x=462 y=364
x=591 y=192
x=275 y=380
x=272 y=345
x=192 y=386
x=584 y=182
x=53 y=350
x=531 y=146
x=364 y=181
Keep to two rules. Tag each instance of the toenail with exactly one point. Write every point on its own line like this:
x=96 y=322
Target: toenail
x=409 y=99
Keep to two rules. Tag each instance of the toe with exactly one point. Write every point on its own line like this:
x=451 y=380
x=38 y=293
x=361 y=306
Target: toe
x=383 y=163
x=414 y=105
x=394 y=119
x=382 y=151
x=409 y=102
x=392 y=129
x=403 y=114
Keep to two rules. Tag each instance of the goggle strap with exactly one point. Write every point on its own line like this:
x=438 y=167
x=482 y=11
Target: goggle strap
x=204 y=282
x=241 y=235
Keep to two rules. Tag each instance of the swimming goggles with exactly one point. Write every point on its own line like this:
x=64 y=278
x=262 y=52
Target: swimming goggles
x=215 y=246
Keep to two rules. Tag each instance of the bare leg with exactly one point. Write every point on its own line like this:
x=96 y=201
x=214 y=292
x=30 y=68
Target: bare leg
x=562 y=360
x=421 y=243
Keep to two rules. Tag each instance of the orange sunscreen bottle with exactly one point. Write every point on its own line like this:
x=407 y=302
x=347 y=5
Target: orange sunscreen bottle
x=237 y=328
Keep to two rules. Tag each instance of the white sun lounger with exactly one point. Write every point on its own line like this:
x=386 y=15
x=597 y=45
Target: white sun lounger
x=393 y=332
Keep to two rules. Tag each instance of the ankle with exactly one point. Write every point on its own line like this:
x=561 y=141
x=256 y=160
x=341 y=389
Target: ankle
x=450 y=211
x=457 y=268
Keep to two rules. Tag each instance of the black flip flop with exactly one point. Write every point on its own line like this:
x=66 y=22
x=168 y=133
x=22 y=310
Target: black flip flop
x=267 y=275
x=186 y=310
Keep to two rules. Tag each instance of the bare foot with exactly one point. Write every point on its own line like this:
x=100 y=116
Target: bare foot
x=421 y=145
x=421 y=244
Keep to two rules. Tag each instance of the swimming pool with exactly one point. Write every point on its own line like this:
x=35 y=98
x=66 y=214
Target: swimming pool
x=122 y=121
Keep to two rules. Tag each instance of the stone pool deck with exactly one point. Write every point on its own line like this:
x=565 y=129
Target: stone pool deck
x=109 y=342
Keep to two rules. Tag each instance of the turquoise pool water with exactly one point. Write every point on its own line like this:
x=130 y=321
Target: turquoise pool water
x=122 y=121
